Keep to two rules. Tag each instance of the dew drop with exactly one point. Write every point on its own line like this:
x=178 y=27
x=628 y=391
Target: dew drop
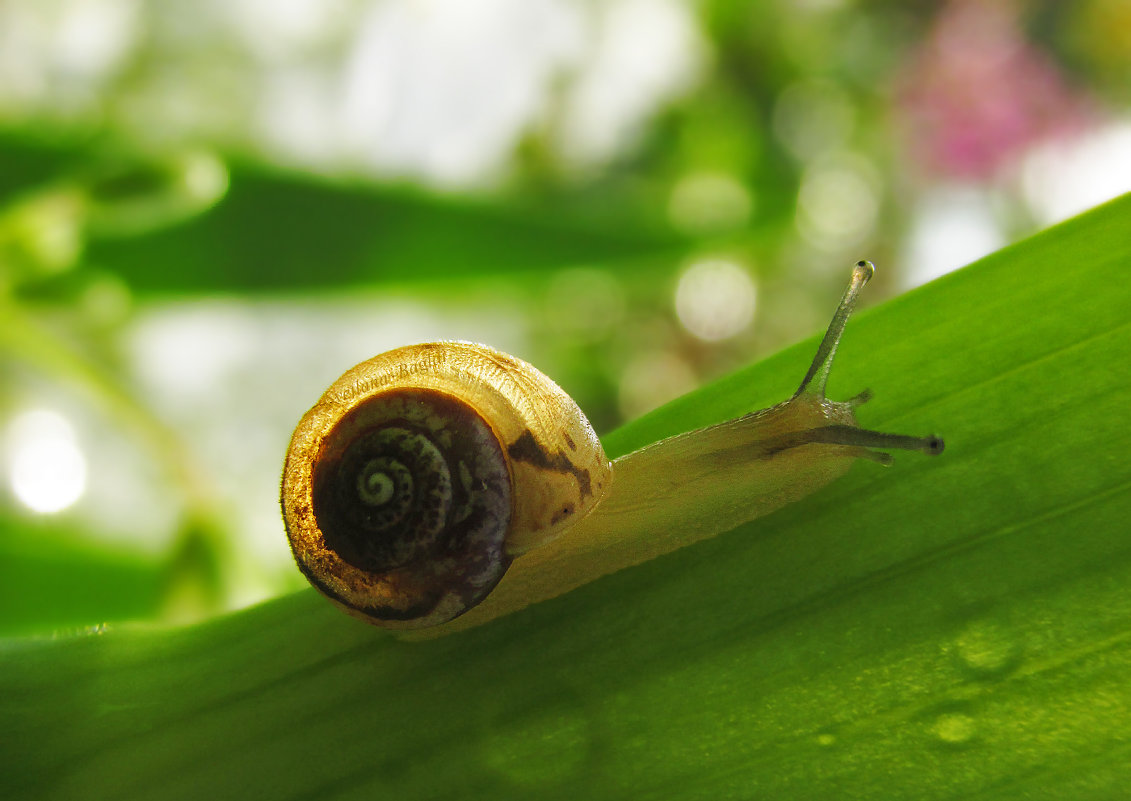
x=987 y=649
x=954 y=728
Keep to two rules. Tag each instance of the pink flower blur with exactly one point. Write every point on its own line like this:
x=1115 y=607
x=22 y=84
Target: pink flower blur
x=976 y=93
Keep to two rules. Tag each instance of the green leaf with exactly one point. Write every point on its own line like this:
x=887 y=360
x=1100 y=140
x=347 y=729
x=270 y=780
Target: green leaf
x=285 y=232
x=953 y=627
x=272 y=232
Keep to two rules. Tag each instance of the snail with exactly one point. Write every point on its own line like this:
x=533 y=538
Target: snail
x=446 y=484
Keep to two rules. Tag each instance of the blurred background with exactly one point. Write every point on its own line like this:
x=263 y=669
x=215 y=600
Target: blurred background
x=208 y=211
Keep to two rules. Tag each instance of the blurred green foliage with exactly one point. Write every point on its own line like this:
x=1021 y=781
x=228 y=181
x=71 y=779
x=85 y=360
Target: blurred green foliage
x=800 y=137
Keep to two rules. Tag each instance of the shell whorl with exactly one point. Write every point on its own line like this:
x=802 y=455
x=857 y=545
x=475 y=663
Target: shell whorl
x=412 y=487
x=421 y=473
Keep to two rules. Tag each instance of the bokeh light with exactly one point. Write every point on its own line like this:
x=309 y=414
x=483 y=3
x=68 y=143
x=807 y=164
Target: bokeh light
x=715 y=299
x=838 y=202
x=954 y=226
x=46 y=467
x=709 y=202
x=1065 y=177
x=813 y=117
x=651 y=379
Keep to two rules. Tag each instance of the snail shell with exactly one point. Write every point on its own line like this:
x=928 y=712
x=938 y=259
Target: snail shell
x=421 y=473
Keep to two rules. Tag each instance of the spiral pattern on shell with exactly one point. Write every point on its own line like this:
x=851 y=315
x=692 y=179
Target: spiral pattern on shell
x=420 y=473
x=412 y=487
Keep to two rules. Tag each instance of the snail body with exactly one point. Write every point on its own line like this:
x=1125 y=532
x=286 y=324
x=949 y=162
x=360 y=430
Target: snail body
x=442 y=485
